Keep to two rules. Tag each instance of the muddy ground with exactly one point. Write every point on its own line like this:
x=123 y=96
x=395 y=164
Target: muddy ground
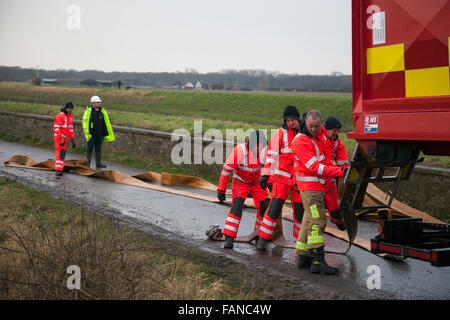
x=178 y=224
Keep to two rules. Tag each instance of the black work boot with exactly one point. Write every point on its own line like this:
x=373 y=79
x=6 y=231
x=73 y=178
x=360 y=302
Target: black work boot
x=319 y=265
x=59 y=173
x=274 y=211
x=89 y=156
x=304 y=262
x=228 y=242
x=98 y=160
x=261 y=244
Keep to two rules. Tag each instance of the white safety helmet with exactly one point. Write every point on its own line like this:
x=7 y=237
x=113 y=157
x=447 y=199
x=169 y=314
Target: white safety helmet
x=95 y=99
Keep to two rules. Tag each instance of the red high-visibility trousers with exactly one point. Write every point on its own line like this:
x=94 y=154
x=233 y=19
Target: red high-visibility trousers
x=240 y=191
x=60 y=154
x=331 y=203
x=280 y=192
x=331 y=196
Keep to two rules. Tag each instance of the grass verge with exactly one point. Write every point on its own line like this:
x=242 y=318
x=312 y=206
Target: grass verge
x=151 y=121
x=40 y=237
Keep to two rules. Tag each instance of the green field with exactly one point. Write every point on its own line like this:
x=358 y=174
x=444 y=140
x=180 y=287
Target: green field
x=262 y=109
x=171 y=110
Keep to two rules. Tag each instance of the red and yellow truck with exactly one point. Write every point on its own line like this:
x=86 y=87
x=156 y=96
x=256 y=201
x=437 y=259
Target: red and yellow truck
x=401 y=107
x=401 y=73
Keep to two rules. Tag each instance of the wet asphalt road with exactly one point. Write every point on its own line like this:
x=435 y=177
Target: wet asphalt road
x=185 y=220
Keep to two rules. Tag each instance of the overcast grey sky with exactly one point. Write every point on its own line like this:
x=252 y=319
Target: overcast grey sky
x=289 y=36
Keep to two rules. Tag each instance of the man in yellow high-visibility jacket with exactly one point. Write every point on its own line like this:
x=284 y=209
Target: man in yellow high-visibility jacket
x=97 y=128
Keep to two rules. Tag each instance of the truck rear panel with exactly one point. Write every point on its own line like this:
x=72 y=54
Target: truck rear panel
x=401 y=72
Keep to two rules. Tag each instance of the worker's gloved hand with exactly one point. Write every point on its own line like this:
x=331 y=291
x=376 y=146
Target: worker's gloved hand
x=62 y=142
x=337 y=219
x=74 y=145
x=269 y=186
x=263 y=181
x=344 y=170
x=221 y=196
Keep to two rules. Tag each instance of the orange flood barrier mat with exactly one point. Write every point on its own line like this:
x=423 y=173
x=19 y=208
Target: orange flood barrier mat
x=142 y=180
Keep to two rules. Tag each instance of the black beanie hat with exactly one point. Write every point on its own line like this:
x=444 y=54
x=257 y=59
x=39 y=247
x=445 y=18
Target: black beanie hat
x=67 y=106
x=332 y=123
x=291 y=112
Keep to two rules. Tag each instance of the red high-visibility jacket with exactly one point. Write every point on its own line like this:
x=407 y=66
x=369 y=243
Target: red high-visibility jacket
x=311 y=169
x=335 y=151
x=340 y=155
x=244 y=165
x=280 y=159
x=63 y=126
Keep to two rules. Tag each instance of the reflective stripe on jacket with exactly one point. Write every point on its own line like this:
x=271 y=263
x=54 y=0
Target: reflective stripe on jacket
x=88 y=124
x=335 y=151
x=340 y=154
x=244 y=165
x=280 y=160
x=63 y=126
x=311 y=171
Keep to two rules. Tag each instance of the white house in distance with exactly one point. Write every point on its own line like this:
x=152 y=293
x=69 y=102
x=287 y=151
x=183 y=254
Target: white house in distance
x=189 y=85
x=200 y=85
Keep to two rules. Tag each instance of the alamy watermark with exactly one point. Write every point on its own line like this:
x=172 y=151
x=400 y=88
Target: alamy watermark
x=372 y=22
x=191 y=150
x=73 y=21
x=74 y=281
x=374 y=280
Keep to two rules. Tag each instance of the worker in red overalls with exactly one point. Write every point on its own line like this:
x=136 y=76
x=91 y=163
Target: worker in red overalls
x=62 y=132
x=245 y=164
x=335 y=154
x=279 y=167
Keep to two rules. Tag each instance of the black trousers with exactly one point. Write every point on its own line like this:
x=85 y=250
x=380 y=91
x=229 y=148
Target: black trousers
x=95 y=142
